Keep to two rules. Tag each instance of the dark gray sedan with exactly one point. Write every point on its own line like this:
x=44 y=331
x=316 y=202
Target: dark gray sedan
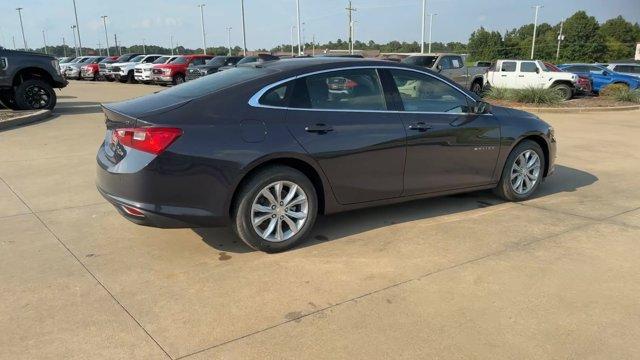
x=267 y=147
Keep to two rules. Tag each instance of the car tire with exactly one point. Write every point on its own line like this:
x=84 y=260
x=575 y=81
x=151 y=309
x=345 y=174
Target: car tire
x=476 y=88
x=7 y=99
x=565 y=91
x=35 y=95
x=178 y=79
x=276 y=232
x=513 y=174
x=131 y=78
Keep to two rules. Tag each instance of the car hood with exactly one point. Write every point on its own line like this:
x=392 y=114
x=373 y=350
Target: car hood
x=145 y=66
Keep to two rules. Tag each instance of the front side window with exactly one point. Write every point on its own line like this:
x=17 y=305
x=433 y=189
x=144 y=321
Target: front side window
x=528 y=67
x=424 y=93
x=508 y=66
x=354 y=89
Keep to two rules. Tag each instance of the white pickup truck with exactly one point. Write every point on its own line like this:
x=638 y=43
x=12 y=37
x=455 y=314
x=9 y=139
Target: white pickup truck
x=521 y=74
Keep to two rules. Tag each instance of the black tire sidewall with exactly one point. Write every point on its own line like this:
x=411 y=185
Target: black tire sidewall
x=242 y=214
x=504 y=189
x=564 y=90
x=21 y=88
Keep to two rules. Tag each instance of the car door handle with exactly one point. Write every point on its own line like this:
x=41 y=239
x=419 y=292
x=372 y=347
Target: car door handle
x=318 y=128
x=520 y=75
x=419 y=126
x=503 y=75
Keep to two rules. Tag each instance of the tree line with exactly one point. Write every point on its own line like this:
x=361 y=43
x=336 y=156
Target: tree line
x=584 y=40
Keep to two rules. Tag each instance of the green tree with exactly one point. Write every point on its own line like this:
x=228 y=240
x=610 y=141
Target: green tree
x=583 y=41
x=485 y=45
x=620 y=37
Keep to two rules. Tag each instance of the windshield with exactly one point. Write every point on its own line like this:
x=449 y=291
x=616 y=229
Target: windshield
x=107 y=61
x=426 y=61
x=123 y=58
x=248 y=59
x=137 y=58
x=214 y=82
x=179 y=60
x=217 y=61
x=86 y=60
x=161 y=60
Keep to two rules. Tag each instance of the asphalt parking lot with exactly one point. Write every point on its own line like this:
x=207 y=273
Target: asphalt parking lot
x=457 y=277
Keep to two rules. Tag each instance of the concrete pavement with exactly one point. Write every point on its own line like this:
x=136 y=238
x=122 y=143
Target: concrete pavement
x=464 y=276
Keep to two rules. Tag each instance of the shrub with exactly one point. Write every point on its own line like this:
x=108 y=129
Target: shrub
x=620 y=92
x=531 y=95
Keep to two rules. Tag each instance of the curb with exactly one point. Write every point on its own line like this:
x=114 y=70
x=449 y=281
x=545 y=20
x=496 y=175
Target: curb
x=579 y=110
x=25 y=119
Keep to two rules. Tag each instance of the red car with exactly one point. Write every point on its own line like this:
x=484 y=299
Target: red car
x=92 y=71
x=175 y=71
x=583 y=84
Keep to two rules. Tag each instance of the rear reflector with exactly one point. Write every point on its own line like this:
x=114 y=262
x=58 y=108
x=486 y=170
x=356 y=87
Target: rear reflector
x=153 y=140
x=132 y=211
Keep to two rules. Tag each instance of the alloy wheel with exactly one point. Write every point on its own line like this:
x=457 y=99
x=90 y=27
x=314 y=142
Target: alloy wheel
x=525 y=172
x=37 y=97
x=279 y=211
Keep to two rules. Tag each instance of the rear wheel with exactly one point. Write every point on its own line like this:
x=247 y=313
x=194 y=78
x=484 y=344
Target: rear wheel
x=523 y=172
x=565 y=91
x=476 y=88
x=35 y=95
x=7 y=99
x=178 y=79
x=276 y=209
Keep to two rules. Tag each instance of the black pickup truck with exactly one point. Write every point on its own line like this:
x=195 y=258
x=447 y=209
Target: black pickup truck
x=27 y=80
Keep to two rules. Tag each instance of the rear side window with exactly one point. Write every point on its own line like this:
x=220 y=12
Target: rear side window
x=278 y=96
x=354 y=89
x=424 y=93
x=508 y=66
x=528 y=66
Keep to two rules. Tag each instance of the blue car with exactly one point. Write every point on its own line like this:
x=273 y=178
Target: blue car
x=600 y=76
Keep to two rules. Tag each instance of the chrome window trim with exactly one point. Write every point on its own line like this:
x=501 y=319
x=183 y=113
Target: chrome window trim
x=254 y=100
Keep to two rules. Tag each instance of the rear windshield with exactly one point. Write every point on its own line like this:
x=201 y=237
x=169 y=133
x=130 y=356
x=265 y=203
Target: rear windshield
x=248 y=59
x=161 y=60
x=426 y=61
x=214 y=82
x=179 y=60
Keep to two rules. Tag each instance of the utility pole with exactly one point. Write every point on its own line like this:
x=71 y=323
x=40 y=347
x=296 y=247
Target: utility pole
x=350 y=9
x=204 y=41
x=75 y=44
x=64 y=47
x=535 y=28
x=244 y=31
x=144 y=46
x=299 y=28
x=430 y=27
x=292 y=29
x=424 y=15
x=313 y=45
x=171 y=41
x=560 y=38
x=77 y=27
x=229 y=39
x=115 y=39
x=106 y=36
x=14 y=42
x=24 y=39
x=99 y=49
x=44 y=40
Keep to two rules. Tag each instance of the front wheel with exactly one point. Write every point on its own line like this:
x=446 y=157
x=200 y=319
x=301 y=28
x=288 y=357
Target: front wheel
x=276 y=209
x=178 y=79
x=523 y=172
x=35 y=95
x=476 y=88
x=565 y=91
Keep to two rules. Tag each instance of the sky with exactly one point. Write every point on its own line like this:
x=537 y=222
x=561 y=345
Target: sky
x=269 y=21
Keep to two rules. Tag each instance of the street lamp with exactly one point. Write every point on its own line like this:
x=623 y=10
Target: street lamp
x=75 y=44
x=430 y=26
x=244 y=31
x=44 y=40
x=106 y=36
x=298 y=20
x=24 y=40
x=75 y=10
x=535 y=27
x=229 y=39
x=424 y=15
x=292 y=29
x=204 y=41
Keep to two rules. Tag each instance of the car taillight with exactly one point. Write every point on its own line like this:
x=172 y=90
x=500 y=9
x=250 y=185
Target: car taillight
x=153 y=140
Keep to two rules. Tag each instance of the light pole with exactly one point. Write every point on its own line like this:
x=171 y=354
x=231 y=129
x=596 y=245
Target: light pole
x=171 y=41
x=424 y=15
x=24 y=40
x=44 y=40
x=535 y=28
x=350 y=9
x=430 y=27
x=99 y=48
x=244 y=34
x=106 y=36
x=144 y=46
x=229 y=39
x=75 y=10
x=298 y=20
x=75 y=44
x=204 y=41
x=292 y=29
x=560 y=38
x=64 y=47
x=14 y=42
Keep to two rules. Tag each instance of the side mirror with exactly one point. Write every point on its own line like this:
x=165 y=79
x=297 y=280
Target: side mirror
x=439 y=67
x=482 y=107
